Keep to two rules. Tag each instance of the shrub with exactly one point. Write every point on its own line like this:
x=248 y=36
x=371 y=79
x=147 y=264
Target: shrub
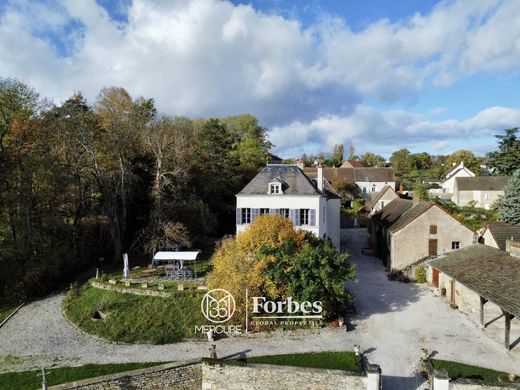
x=420 y=274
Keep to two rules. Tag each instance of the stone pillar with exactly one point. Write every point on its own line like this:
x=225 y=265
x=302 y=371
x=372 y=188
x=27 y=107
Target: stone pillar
x=482 y=303
x=441 y=380
x=373 y=377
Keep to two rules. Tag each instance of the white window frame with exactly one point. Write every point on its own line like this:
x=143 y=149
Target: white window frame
x=284 y=213
x=246 y=216
x=275 y=188
x=263 y=211
x=305 y=217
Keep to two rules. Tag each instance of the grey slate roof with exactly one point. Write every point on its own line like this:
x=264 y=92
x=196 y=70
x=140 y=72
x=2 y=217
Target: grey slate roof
x=410 y=215
x=490 y=272
x=481 y=183
x=389 y=214
x=502 y=231
x=294 y=181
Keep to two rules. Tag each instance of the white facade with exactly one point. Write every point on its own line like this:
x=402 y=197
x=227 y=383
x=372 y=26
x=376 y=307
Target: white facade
x=318 y=213
x=323 y=215
x=458 y=171
x=371 y=187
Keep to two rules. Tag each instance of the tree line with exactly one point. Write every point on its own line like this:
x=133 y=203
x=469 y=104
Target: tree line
x=81 y=181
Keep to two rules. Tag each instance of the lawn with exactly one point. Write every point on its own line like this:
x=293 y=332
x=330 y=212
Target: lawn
x=329 y=360
x=5 y=311
x=132 y=318
x=464 y=371
x=28 y=380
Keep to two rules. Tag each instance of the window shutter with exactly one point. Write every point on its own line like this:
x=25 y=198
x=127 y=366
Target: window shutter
x=312 y=217
x=292 y=216
x=297 y=221
x=274 y=211
x=239 y=216
x=254 y=213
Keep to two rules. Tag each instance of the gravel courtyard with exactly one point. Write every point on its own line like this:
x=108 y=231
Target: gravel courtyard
x=394 y=321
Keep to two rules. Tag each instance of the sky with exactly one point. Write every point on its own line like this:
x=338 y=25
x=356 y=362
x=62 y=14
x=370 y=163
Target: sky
x=434 y=76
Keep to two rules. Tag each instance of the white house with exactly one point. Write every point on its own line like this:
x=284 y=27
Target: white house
x=458 y=170
x=483 y=191
x=286 y=190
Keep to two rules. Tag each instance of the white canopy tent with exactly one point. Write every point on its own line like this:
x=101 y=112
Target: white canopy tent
x=172 y=257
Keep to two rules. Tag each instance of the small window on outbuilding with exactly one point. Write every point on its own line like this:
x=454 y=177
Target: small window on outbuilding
x=433 y=229
x=455 y=244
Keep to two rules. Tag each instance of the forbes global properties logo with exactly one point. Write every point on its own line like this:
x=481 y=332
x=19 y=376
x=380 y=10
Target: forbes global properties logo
x=218 y=305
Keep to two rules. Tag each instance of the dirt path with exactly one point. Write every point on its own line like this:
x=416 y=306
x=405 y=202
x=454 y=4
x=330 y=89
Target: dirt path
x=394 y=322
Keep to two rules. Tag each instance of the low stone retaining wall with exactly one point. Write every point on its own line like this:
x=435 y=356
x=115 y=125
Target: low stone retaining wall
x=209 y=374
x=474 y=386
x=234 y=376
x=130 y=290
x=173 y=376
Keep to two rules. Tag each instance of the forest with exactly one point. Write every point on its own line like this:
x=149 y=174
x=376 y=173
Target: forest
x=82 y=181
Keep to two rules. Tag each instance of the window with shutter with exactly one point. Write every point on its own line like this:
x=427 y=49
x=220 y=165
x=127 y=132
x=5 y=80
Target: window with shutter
x=432 y=247
x=254 y=213
x=264 y=211
x=304 y=216
x=284 y=213
x=246 y=216
x=239 y=216
x=433 y=229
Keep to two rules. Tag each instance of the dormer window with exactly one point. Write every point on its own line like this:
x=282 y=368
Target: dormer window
x=275 y=188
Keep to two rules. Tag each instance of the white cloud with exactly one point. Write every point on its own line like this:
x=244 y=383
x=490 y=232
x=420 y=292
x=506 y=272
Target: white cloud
x=212 y=58
x=387 y=131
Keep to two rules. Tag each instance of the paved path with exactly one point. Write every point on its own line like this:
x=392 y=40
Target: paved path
x=394 y=321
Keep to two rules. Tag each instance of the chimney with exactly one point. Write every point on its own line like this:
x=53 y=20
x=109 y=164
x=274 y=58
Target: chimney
x=300 y=164
x=320 y=177
x=462 y=164
x=513 y=247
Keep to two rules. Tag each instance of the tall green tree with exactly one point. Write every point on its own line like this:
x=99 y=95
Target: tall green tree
x=506 y=159
x=372 y=160
x=337 y=154
x=421 y=161
x=465 y=156
x=401 y=161
x=509 y=205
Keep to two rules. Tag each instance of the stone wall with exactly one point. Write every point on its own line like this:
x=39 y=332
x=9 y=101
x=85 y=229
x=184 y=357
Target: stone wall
x=475 y=386
x=130 y=290
x=265 y=376
x=173 y=376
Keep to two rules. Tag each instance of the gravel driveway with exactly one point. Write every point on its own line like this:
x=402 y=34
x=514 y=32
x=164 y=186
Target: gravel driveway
x=394 y=321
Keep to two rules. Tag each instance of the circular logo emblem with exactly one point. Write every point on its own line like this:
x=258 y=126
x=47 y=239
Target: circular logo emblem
x=218 y=305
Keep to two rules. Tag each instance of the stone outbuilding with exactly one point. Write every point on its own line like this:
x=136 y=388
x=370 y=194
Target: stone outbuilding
x=496 y=234
x=381 y=199
x=473 y=276
x=406 y=232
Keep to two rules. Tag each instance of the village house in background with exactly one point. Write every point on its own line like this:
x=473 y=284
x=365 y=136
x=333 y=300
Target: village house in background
x=406 y=232
x=380 y=199
x=495 y=234
x=482 y=191
x=311 y=205
x=448 y=179
x=364 y=180
x=481 y=279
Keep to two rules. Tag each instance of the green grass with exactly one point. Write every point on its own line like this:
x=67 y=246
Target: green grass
x=464 y=371
x=131 y=318
x=30 y=380
x=329 y=360
x=5 y=311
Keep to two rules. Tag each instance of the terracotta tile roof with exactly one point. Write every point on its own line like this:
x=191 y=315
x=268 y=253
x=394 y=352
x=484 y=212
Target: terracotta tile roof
x=375 y=174
x=351 y=175
x=502 y=231
x=481 y=183
x=490 y=272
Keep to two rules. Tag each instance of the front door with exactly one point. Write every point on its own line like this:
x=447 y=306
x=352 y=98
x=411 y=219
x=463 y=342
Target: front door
x=435 y=277
x=432 y=247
